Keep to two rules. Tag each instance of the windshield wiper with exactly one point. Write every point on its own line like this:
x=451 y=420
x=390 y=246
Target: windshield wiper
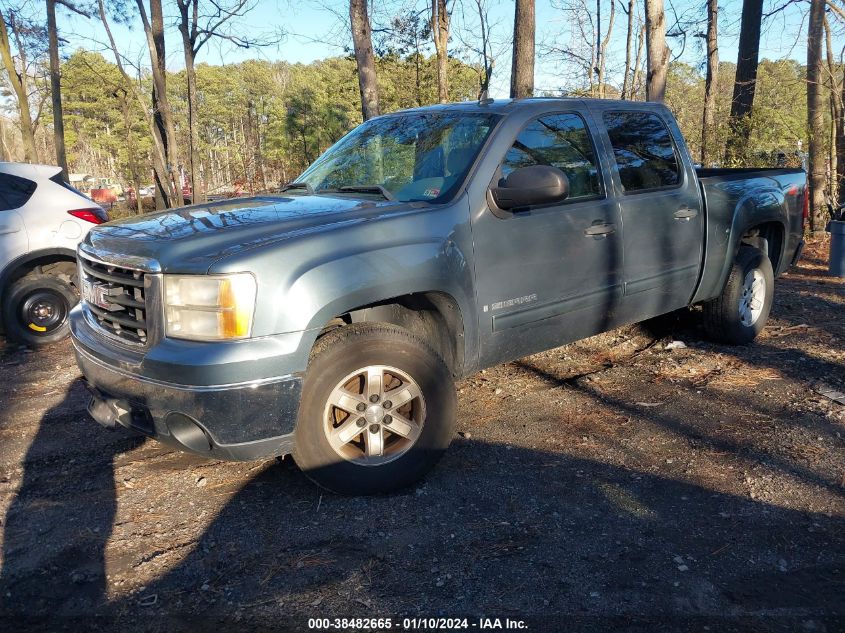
x=377 y=189
x=298 y=185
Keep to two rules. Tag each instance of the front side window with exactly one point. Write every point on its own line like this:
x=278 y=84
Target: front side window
x=562 y=141
x=643 y=148
x=414 y=156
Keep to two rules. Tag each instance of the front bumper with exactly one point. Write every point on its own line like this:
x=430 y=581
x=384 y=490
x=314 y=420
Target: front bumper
x=238 y=421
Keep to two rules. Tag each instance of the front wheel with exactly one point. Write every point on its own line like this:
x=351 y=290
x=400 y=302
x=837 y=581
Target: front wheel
x=377 y=411
x=740 y=313
x=36 y=309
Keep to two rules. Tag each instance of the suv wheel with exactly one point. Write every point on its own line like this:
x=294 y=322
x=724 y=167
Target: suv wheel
x=36 y=309
x=740 y=313
x=377 y=410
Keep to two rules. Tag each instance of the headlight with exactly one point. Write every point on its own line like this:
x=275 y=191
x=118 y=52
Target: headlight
x=209 y=307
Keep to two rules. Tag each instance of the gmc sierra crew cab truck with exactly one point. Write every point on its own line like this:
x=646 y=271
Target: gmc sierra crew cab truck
x=330 y=321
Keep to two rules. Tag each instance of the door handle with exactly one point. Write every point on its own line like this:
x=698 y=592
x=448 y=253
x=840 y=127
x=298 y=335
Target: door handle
x=685 y=214
x=599 y=231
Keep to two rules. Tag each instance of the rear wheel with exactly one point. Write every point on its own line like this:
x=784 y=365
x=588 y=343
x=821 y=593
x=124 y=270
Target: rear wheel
x=377 y=410
x=36 y=309
x=740 y=313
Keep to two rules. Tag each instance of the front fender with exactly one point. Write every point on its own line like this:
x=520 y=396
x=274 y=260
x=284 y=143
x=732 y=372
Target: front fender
x=305 y=283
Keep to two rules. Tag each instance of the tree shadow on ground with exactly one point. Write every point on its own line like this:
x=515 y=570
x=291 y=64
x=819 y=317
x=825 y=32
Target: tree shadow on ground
x=57 y=526
x=508 y=532
x=496 y=530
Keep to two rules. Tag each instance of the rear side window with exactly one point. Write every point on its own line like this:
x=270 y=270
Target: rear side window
x=14 y=191
x=562 y=141
x=643 y=150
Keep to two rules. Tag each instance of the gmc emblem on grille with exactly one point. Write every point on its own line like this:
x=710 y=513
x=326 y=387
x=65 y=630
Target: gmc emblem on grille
x=97 y=294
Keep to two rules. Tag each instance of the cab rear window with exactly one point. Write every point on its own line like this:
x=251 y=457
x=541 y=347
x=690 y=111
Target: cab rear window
x=14 y=191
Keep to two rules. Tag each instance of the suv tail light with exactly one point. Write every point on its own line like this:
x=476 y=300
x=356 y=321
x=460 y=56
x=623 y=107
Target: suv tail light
x=94 y=215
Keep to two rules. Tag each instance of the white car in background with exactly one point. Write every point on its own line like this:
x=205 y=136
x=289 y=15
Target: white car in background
x=42 y=219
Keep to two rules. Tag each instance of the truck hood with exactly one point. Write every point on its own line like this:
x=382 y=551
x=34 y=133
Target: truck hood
x=191 y=239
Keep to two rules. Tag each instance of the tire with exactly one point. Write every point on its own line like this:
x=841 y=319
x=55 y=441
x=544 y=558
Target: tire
x=36 y=309
x=730 y=318
x=387 y=452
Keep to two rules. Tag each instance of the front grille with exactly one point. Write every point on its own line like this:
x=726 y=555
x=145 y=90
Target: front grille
x=115 y=296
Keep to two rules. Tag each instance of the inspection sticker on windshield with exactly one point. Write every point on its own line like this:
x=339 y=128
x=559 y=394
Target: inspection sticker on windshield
x=431 y=193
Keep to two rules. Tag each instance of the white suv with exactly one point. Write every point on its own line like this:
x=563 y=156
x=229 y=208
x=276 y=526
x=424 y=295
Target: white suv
x=42 y=219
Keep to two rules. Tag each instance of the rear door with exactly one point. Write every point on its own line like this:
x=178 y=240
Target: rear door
x=660 y=207
x=552 y=273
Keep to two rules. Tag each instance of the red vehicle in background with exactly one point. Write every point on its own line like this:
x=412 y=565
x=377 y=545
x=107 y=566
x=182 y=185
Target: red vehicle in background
x=103 y=196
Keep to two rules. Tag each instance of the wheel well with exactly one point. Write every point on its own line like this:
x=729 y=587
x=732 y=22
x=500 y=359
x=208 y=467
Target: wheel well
x=43 y=265
x=769 y=238
x=59 y=264
x=433 y=316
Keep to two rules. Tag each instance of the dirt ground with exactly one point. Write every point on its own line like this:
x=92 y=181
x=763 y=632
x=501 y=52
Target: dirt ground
x=609 y=484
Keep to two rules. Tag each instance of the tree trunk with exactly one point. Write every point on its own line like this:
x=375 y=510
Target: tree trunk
x=815 y=115
x=130 y=148
x=522 y=68
x=154 y=31
x=636 y=78
x=708 y=124
x=362 y=41
x=194 y=172
x=440 y=34
x=188 y=30
x=629 y=42
x=835 y=113
x=746 y=79
x=159 y=152
x=602 y=52
x=4 y=151
x=840 y=143
x=656 y=50
x=19 y=86
x=56 y=88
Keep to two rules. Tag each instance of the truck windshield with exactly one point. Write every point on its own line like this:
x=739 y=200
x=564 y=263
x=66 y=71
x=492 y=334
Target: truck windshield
x=407 y=157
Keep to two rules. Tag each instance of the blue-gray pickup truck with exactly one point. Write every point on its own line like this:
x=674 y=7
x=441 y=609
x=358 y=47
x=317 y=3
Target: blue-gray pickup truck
x=330 y=321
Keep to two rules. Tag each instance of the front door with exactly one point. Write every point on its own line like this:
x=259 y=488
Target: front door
x=662 y=215
x=549 y=274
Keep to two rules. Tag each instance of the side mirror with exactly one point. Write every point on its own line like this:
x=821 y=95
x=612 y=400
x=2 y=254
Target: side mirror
x=529 y=186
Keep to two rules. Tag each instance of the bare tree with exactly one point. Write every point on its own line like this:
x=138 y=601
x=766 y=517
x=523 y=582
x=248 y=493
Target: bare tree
x=584 y=56
x=154 y=31
x=835 y=90
x=56 y=81
x=711 y=83
x=522 y=67
x=362 y=40
x=629 y=41
x=657 y=52
x=637 y=77
x=161 y=165
x=197 y=25
x=746 y=79
x=480 y=47
x=815 y=114
x=440 y=23
x=19 y=80
x=839 y=133
x=601 y=45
